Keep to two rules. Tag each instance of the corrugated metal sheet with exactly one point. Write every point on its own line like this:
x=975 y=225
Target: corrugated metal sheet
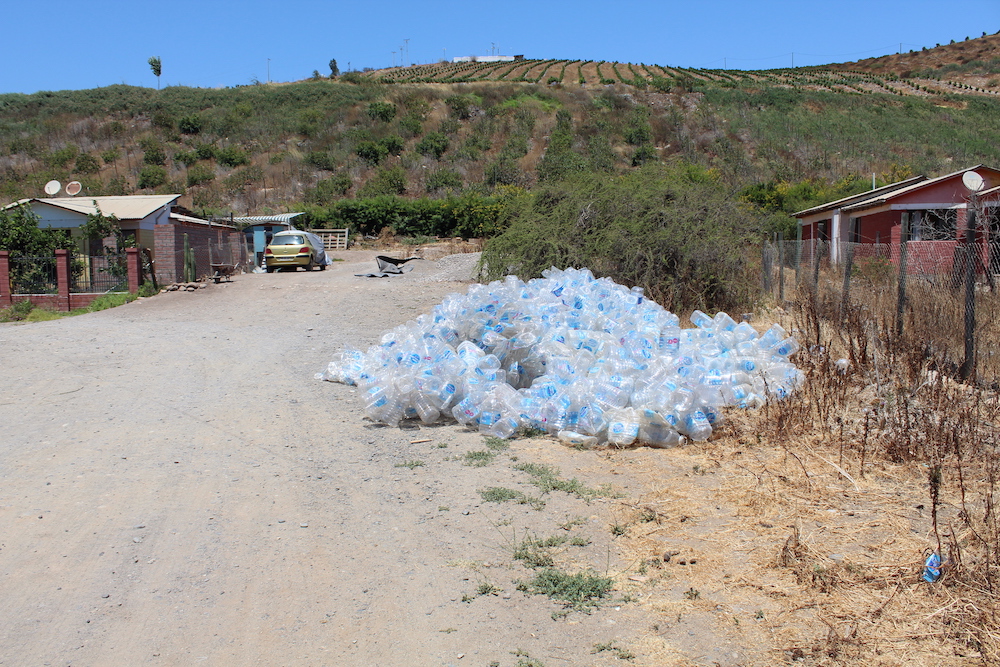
x=840 y=203
x=129 y=207
x=878 y=201
x=280 y=217
x=198 y=221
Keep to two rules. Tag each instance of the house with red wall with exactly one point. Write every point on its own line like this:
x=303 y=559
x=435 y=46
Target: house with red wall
x=934 y=210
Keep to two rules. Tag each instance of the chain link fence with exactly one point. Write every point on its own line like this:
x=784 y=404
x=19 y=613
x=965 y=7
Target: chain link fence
x=937 y=297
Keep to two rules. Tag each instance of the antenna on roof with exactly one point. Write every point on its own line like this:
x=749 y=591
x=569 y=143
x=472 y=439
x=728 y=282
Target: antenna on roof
x=52 y=187
x=73 y=188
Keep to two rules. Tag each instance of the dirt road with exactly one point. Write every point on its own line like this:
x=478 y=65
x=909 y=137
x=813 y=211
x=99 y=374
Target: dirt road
x=177 y=488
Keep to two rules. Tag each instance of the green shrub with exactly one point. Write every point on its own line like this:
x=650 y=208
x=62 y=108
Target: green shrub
x=199 y=175
x=383 y=111
x=154 y=155
x=503 y=171
x=205 y=151
x=186 y=158
x=163 y=120
x=393 y=143
x=461 y=105
x=61 y=158
x=330 y=189
x=371 y=152
x=388 y=181
x=87 y=164
x=232 y=156
x=674 y=230
x=152 y=176
x=190 y=124
x=433 y=145
x=411 y=125
x=321 y=160
x=442 y=179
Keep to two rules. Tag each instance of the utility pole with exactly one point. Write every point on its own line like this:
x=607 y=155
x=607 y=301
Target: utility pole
x=407 y=43
x=393 y=58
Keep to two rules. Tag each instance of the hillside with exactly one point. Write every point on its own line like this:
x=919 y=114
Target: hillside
x=443 y=129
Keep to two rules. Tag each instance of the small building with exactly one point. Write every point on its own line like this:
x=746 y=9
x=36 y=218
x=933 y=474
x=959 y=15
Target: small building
x=154 y=221
x=934 y=210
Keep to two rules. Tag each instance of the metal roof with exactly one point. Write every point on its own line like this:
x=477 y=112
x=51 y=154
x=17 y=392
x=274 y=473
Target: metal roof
x=841 y=203
x=880 y=200
x=128 y=207
x=198 y=221
x=280 y=217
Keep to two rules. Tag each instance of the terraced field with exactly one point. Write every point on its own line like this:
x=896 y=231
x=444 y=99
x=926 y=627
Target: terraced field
x=596 y=73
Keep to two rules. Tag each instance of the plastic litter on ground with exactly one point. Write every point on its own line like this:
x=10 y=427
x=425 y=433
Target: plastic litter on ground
x=583 y=358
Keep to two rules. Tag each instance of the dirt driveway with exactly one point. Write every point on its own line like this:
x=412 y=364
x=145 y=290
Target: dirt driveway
x=176 y=488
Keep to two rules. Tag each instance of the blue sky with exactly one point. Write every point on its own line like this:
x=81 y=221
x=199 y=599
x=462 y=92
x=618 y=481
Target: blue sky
x=63 y=44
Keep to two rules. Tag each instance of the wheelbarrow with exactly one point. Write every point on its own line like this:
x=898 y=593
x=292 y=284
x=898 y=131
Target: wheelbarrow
x=220 y=271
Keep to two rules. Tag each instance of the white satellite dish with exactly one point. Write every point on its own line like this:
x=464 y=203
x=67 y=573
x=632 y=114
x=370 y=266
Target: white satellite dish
x=52 y=187
x=973 y=181
x=73 y=188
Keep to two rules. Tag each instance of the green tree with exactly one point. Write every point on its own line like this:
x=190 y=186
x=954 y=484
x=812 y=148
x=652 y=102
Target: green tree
x=157 y=67
x=334 y=70
x=21 y=236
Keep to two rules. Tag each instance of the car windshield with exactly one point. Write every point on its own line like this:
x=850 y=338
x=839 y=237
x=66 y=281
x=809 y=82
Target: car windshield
x=288 y=240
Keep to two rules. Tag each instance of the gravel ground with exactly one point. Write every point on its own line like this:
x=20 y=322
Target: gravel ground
x=178 y=488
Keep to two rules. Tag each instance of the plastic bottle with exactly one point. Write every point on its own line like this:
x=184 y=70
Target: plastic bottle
x=696 y=425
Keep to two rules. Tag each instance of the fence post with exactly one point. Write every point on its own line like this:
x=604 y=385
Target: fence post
x=765 y=265
x=5 y=299
x=134 y=274
x=904 y=236
x=848 y=267
x=62 y=279
x=969 y=364
x=781 y=268
x=798 y=253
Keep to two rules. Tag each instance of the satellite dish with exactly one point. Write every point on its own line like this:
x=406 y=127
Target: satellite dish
x=73 y=188
x=52 y=187
x=973 y=181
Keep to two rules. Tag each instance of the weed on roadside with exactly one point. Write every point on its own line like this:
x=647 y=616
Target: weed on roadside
x=415 y=463
x=500 y=494
x=619 y=652
x=478 y=458
x=546 y=478
x=534 y=553
x=496 y=444
x=578 y=592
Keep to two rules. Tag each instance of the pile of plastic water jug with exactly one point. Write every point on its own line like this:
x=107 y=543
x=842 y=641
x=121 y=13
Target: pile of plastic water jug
x=583 y=358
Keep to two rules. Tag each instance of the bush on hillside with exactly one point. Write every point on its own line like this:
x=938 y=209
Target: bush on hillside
x=675 y=231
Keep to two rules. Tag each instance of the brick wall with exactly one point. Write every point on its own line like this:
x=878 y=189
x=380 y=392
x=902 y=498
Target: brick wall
x=168 y=251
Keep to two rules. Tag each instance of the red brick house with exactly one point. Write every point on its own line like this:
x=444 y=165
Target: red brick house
x=934 y=208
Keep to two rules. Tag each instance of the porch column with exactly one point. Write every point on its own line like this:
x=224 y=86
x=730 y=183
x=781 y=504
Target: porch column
x=62 y=279
x=134 y=275
x=835 y=238
x=5 y=299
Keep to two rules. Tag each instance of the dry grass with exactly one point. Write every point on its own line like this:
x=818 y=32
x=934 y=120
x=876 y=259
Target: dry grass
x=804 y=526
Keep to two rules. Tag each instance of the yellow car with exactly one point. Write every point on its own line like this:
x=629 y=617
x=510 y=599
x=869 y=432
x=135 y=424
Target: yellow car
x=295 y=248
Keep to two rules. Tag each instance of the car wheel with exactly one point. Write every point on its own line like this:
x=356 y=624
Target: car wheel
x=322 y=267
x=310 y=265
x=270 y=269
